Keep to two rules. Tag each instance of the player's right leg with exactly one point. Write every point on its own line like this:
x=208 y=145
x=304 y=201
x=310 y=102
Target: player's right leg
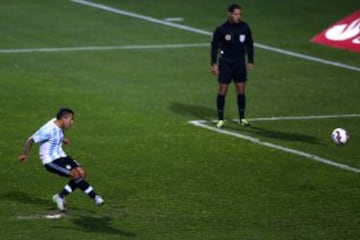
x=60 y=168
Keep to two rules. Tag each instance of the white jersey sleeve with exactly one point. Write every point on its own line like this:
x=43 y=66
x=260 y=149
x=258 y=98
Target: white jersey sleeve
x=50 y=138
x=41 y=135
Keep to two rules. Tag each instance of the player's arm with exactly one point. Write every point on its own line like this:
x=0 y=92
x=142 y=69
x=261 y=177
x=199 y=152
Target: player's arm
x=66 y=141
x=250 y=49
x=215 y=43
x=27 y=148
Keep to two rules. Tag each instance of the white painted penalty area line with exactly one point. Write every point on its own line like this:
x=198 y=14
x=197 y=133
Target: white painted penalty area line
x=203 y=32
x=103 y=48
x=313 y=157
x=351 y=115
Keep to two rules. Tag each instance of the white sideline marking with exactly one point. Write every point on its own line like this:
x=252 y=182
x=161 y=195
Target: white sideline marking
x=203 y=32
x=202 y=124
x=102 y=48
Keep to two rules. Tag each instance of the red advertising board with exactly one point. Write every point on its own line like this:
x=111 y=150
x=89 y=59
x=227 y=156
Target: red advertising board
x=344 y=34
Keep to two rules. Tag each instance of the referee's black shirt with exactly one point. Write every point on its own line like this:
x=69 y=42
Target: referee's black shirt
x=233 y=40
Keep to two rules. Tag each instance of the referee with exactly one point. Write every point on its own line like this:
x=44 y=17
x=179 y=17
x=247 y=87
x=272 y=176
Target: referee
x=230 y=42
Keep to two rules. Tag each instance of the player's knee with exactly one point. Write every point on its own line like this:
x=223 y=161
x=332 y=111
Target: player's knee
x=81 y=172
x=77 y=173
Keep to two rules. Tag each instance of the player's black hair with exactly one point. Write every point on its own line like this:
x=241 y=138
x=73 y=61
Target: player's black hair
x=233 y=7
x=62 y=112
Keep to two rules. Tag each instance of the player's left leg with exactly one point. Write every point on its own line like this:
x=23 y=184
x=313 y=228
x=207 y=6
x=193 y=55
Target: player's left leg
x=77 y=177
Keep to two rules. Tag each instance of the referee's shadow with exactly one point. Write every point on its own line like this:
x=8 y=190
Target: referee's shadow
x=281 y=135
x=197 y=112
x=193 y=111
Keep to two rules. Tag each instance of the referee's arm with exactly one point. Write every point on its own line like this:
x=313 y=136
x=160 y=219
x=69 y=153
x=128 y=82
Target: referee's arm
x=249 y=43
x=215 y=43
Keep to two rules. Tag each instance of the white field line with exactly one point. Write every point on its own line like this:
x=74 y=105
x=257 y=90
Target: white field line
x=102 y=48
x=352 y=115
x=174 y=19
x=313 y=157
x=45 y=216
x=203 y=32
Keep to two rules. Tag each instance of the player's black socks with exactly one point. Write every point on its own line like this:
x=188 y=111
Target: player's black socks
x=220 y=102
x=85 y=187
x=69 y=188
x=241 y=101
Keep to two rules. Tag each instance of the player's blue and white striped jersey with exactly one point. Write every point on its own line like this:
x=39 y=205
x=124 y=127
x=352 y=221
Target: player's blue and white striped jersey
x=50 y=138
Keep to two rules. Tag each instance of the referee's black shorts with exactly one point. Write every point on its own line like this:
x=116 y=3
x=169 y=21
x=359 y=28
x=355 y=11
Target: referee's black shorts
x=62 y=166
x=232 y=69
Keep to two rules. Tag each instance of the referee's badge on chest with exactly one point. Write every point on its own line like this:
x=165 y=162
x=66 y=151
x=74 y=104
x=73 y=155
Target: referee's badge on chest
x=228 y=37
x=242 y=37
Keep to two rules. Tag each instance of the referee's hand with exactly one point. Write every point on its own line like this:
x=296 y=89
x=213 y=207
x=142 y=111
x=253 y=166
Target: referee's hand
x=250 y=66
x=215 y=69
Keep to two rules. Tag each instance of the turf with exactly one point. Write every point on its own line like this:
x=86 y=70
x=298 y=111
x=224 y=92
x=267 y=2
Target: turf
x=161 y=177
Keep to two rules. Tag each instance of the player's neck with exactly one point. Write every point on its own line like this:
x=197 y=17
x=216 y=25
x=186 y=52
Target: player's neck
x=59 y=123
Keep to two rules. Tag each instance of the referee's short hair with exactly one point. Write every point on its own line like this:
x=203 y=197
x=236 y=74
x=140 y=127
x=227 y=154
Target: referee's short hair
x=62 y=112
x=233 y=7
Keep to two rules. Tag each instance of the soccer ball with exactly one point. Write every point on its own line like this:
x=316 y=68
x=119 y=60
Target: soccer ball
x=340 y=136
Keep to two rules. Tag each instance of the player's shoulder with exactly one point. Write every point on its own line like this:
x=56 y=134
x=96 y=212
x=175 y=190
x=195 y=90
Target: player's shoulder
x=48 y=125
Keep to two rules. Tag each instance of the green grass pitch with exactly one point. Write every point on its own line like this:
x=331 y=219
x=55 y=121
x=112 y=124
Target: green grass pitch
x=161 y=177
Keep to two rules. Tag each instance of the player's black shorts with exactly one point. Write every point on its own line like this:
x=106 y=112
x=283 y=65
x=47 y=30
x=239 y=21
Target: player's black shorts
x=62 y=166
x=232 y=70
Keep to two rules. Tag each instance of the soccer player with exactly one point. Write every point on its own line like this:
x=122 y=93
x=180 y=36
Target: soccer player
x=230 y=42
x=51 y=137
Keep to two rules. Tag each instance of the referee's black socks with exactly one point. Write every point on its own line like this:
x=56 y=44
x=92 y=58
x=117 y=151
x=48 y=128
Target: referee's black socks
x=220 y=102
x=241 y=101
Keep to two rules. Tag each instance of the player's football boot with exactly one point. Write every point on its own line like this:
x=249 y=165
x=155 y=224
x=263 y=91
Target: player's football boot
x=60 y=202
x=244 y=122
x=98 y=200
x=220 y=124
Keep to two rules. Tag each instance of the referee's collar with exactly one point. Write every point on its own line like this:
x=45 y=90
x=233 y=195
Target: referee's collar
x=234 y=24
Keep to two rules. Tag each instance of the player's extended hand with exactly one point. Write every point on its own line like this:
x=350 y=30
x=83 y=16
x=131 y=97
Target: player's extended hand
x=23 y=158
x=66 y=141
x=215 y=69
x=250 y=66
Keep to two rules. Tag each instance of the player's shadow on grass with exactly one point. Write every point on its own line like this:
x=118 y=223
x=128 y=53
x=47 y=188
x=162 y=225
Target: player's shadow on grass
x=91 y=224
x=25 y=198
x=100 y=224
x=194 y=111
